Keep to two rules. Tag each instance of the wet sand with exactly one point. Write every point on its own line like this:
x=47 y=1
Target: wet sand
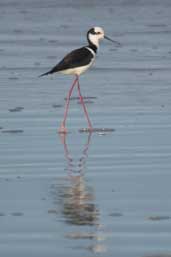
x=106 y=193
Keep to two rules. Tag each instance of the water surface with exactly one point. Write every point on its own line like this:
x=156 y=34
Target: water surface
x=106 y=193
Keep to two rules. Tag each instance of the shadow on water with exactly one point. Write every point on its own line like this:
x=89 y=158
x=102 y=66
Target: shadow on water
x=75 y=200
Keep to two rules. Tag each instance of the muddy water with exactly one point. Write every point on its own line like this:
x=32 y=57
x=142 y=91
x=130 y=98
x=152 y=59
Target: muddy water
x=106 y=193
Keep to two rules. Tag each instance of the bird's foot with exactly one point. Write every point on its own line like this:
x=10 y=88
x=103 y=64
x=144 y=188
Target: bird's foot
x=90 y=129
x=62 y=129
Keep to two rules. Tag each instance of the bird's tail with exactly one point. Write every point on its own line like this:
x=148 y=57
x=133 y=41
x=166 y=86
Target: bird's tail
x=44 y=74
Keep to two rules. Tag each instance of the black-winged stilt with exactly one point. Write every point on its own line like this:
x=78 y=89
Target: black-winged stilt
x=77 y=62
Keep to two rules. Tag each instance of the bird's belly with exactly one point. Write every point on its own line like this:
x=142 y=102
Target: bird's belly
x=77 y=70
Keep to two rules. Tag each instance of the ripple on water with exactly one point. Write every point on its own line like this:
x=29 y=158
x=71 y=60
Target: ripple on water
x=57 y=105
x=2 y=214
x=84 y=97
x=116 y=214
x=159 y=255
x=13 y=131
x=16 y=109
x=17 y=214
x=98 y=130
x=158 y=218
x=87 y=102
x=13 y=78
x=81 y=235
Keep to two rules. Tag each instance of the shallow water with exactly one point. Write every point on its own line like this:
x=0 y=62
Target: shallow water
x=106 y=193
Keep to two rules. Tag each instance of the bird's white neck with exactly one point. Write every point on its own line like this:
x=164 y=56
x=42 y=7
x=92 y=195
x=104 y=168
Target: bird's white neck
x=94 y=40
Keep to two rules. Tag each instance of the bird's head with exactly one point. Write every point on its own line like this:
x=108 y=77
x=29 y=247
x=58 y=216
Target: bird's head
x=95 y=34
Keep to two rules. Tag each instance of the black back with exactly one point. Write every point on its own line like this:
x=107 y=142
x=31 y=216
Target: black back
x=76 y=58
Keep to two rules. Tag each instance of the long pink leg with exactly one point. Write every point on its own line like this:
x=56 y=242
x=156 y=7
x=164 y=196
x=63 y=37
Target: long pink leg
x=62 y=128
x=83 y=104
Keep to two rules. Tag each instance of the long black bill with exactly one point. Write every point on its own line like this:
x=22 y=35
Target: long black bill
x=115 y=42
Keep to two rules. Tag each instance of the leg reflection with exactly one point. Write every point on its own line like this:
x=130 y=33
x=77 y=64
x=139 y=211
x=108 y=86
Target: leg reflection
x=78 y=198
x=75 y=198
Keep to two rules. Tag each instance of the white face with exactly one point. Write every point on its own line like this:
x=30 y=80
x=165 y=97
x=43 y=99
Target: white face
x=99 y=32
x=96 y=34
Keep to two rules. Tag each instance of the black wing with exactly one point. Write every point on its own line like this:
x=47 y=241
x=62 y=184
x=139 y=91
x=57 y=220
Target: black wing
x=76 y=58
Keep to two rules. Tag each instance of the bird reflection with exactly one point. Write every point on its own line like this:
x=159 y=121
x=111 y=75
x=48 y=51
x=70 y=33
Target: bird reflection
x=75 y=200
x=78 y=197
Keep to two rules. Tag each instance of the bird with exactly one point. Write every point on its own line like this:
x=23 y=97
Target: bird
x=77 y=62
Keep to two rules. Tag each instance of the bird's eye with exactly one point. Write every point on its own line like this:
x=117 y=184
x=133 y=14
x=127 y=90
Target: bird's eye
x=98 y=33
